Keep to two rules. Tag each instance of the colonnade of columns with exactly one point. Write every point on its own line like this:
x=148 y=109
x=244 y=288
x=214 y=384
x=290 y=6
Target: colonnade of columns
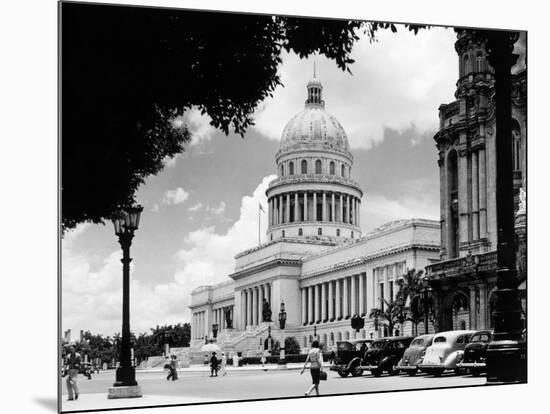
x=219 y=316
x=252 y=304
x=335 y=299
x=307 y=206
x=200 y=325
x=472 y=216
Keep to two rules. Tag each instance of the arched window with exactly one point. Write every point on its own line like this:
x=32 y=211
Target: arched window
x=304 y=167
x=338 y=232
x=352 y=234
x=479 y=62
x=318 y=167
x=283 y=233
x=291 y=168
x=300 y=232
x=343 y=171
x=466 y=65
x=319 y=231
x=331 y=168
x=332 y=338
x=282 y=170
x=516 y=142
x=452 y=190
x=271 y=236
x=347 y=335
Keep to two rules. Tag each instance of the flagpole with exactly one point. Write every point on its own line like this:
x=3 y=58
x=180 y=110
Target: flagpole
x=259 y=218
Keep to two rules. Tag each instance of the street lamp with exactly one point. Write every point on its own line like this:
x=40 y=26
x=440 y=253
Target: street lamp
x=282 y=322
x=425 y=290
x=126 y=222
x=314 y=332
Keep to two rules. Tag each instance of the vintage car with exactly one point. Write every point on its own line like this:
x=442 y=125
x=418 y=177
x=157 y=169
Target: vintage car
x=443 y=353
x=473 y=357
x=384 y=354
x=414 y=353
x=349 y=355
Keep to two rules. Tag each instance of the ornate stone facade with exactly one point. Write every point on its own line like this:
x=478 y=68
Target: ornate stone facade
x=465 y=279
x=316 y=259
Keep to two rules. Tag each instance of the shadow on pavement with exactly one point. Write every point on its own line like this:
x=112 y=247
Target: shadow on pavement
x=49 y=403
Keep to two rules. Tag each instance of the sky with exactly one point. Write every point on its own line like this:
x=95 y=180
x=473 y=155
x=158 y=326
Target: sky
x=202 y=208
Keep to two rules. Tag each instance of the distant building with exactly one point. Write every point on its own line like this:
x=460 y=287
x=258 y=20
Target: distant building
x=316 y=259
x=465 y=279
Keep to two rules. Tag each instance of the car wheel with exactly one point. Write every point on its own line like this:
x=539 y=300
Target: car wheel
x=476 y=372
x=412 y=372
x=356 y=371
x=376 y=372
x=438 y=373
x=343 y=373
x=392 y=370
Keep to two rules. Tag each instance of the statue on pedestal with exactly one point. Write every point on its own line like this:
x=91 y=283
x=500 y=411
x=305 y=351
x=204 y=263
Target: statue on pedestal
x=266 y=312
x=228 y=320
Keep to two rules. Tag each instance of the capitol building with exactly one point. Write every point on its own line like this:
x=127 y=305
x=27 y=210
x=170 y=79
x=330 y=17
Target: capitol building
x=316 y=259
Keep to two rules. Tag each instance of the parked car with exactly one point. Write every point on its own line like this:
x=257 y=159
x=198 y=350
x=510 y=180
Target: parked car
x=473 y=357
x=443 y=353
x=384 y=355
x=414 y=353
x=349 y=355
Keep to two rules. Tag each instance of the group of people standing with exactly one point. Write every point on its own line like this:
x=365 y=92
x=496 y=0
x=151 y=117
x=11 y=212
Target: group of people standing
x=218 y=364
x=171 y=365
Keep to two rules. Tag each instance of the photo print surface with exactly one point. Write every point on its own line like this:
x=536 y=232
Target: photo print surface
x=258 y=207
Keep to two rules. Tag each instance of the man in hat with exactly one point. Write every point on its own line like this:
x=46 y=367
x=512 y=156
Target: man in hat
x=72 y=364
x=214 y=365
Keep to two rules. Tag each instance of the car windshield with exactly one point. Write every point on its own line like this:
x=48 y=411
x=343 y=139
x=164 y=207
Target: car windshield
x=344 y=346
x=440 y=339
x=377 y=345
x=361 y=345
x=480 y=338
x=417 y=342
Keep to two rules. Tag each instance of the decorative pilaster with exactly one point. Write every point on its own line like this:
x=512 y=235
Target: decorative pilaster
x=338 y=300
x=310 y=305
x=353 y=295
x=361 y=294
x=330 y=301
x=346 y=295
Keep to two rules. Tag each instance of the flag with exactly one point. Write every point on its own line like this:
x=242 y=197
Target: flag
x=261 y=208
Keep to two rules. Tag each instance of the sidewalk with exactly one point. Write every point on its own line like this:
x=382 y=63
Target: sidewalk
x=100 y=401
x=230 y=368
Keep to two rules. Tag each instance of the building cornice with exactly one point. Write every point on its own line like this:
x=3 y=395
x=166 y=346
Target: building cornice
x=266 y=266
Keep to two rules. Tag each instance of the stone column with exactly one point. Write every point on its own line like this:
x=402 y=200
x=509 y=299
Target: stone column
x=361 y=294
x=287 y=218
x=305 y=206
x=314 y=207
x=304 y=306
x=353 y=295
x=323 y=302
x=358 y=212
x=330 y=301
x=386 y=286
x=243 y=311
x=333 y=208
x=338 y=300
x=347 y=210
x=352 y=211
x=482 y=188
x=249 y=310
x=269 y=212
x=463 y=192
x=341 y=208
x=317 y=303
x=324 y=210
x=297 y=208
x=475 y=197
x=345 y=313
x=484 y=317
x=473 y=318
x=256 y=307
x=280 y=221
x=310 y=315
x=371 y=290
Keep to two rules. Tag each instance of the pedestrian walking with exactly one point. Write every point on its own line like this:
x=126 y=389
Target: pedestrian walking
x=263 y=360
x=214 y=365
x=72 y=365
x=223 y=364
x=315 y=359
x=168 y=368
x=173 y=368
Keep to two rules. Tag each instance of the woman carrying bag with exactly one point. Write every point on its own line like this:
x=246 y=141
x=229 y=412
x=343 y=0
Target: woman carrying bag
x=315 y=359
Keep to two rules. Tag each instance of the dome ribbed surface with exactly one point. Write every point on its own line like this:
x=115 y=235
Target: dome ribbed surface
x=314 y=128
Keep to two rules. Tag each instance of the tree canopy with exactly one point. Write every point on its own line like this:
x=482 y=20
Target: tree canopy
x=127 y=72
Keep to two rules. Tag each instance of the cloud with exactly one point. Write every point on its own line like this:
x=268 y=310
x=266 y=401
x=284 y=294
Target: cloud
x=218 y=210
x=397 y=82
x=195 y=207
x=377 y=209
x=92 y=300
x=208 y=257
x=177 y=196
x=155 y=208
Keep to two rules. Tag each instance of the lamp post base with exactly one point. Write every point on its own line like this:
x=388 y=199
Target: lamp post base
x=125 y=377
x=133 y=391
x=506 y=362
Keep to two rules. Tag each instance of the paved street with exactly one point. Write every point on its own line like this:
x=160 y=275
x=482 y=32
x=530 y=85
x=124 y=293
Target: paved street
x=194 y=387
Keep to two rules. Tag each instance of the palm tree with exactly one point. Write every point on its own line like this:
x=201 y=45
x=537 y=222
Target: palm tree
x=411 y=293
x=393 y=313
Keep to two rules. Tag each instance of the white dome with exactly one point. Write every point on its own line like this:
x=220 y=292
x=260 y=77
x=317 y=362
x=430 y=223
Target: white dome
x=314 y=127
